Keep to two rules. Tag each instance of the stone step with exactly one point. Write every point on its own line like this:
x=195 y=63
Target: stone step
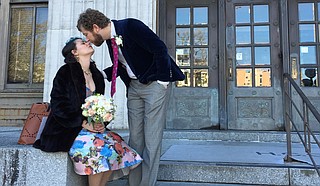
x=232 y=162
x=230 y=135
x=169 y=183
x=197 y=172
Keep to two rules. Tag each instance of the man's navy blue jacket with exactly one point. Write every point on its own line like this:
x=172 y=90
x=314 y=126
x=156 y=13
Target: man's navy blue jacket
x=144 y=52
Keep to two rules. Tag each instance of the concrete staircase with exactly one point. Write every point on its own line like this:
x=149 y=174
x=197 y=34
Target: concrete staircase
x=233 y=157
x=189 y=158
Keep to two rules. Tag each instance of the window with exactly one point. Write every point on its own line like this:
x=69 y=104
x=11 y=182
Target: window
x=309 y=43
x=27 y=46
x=192 y=48
x=253 y=46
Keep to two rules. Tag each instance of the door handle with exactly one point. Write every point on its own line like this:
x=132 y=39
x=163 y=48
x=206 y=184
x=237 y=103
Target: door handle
x=294 y=66
x=230 y=69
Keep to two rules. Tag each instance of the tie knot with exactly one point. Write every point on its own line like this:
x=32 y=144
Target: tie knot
x=113 y=42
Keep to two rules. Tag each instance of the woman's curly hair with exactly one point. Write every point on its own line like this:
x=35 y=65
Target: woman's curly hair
x=90 y=17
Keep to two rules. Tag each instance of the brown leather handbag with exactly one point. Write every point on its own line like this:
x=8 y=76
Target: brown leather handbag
x=31 y=126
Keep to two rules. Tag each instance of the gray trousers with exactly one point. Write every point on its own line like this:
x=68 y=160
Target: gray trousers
x=147 y=106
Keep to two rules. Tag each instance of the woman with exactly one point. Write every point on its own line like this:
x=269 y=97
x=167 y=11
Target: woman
x=94 y=150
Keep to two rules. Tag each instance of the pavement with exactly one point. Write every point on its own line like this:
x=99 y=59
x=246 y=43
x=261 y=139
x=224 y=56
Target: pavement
x=219 y=152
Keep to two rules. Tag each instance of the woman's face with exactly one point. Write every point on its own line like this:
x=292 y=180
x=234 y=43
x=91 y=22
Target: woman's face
x=83 y=48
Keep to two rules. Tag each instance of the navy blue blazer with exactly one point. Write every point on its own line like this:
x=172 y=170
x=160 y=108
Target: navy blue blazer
x=144 y=52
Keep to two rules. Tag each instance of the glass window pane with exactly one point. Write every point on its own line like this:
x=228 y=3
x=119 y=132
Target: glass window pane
x=243 y=35
x=200 y=36
x=40 y=45
x=20 y=45
x=318 y=11
x=243 y=56
x=200 y=77
x=261 y=34
x=262 y=55
x=183 y=36
x=306 y=11
x=309 y=77
x=183 y=56
x=183 y=16
x=186 y=82
x=200 y=16
x=319 y=32
x=260 y=13
x=242 y=14
x=262 y=77
x=244 y=77
x=308 y=55
x=307 y=32
x=200 y=56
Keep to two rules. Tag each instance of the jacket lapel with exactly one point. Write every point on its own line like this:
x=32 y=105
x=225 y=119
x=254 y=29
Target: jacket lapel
x=119 y=27
x=78 y=80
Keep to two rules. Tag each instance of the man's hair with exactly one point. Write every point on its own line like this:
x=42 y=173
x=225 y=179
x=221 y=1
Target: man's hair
x=90 y=17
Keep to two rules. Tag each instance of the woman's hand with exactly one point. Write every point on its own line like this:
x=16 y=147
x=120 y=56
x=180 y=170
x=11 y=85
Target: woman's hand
x=97 y=127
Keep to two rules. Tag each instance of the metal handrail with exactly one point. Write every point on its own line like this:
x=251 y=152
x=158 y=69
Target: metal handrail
x=304 y=115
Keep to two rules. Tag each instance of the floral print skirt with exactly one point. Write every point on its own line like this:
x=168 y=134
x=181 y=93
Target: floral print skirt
x=94 y=153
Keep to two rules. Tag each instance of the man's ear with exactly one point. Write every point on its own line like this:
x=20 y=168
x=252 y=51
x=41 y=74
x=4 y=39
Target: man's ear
x=95 y=28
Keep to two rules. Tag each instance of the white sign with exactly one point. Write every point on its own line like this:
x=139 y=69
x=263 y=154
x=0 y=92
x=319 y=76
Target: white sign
x=239 y=56
x=304 y=49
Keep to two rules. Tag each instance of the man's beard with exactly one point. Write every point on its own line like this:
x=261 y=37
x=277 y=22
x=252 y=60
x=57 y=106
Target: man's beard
x=98 y=40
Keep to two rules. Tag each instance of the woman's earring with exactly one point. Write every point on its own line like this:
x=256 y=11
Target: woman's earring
x=77 y=58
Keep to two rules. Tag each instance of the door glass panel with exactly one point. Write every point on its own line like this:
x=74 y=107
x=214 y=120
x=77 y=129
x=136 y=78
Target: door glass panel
x=183 y=56
x=309 y=77
x=186 y=82
x=318 y=33
x=242 y=14
x=200 y=16
x=200 y=77
x=307 y=32
x=243 y=56
x=308 y=55
x=200 y=36
x=318 y=11
x=201 y=57
x=260 y=13
x=262 y=77
x=244 y=77
x=243 y=35
x=306 y=11
x=192 y=32
x=308 y=15
x=183 y=36
x=262 y=55
x=255 y=59
x=183 y=16
x=261 y=34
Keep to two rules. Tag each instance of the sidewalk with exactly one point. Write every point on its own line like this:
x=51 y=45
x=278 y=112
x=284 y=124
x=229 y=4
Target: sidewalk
x=226 y=153
x=271 y=154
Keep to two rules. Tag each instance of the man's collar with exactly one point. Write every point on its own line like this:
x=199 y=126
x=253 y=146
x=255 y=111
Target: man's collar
x=113 y=30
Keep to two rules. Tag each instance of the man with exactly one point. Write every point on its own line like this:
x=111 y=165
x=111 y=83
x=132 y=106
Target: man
x=147 y=71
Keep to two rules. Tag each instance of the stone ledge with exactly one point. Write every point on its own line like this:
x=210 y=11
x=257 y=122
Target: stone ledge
x=30 y=166
x=24 y=165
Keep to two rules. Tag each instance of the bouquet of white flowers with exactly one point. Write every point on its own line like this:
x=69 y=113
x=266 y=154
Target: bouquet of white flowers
x=98 y=109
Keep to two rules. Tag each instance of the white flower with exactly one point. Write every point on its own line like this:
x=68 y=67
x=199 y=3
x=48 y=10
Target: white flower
x=118 y=40
x=97 y=107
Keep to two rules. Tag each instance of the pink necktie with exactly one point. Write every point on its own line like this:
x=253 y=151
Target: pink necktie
x=115 y=66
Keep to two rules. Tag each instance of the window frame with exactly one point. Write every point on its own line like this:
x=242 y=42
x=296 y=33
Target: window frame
x=6 y=10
